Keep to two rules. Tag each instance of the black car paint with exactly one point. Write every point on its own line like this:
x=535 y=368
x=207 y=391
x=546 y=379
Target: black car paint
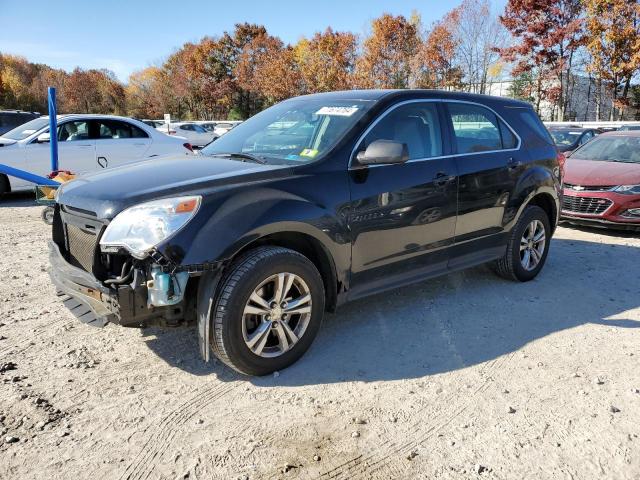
x=340 y=208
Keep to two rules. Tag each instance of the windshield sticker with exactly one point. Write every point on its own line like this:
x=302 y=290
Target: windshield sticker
x=29 y=131
x=337 y=111
x=575 y=133
x=309 y=152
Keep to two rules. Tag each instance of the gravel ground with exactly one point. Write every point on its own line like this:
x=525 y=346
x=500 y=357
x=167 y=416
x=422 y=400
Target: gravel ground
x=466 y=376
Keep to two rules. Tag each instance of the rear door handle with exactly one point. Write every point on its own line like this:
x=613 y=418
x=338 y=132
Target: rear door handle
x=442 y=178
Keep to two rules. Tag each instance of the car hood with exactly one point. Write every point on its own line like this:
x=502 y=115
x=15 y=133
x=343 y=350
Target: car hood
x=108 y=192
x=6 y=141
x=598 y=173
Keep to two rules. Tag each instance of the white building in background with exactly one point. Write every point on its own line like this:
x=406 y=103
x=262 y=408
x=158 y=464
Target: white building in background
x=582 y=102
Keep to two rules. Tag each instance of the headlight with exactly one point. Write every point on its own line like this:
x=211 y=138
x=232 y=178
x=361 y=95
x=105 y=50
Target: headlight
x=628 y=189
x=140 y=228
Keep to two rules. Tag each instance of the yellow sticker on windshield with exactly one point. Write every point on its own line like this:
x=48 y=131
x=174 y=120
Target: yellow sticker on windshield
x=309 y=152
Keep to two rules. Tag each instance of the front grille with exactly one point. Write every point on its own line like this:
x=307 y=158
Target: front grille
x=82 y=247
x=588 y=205
x=588 y=188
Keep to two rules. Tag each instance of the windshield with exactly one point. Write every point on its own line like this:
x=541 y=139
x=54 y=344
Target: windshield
x=296 y=131
x=564 y=137
x=27 y=129
x=611 y=149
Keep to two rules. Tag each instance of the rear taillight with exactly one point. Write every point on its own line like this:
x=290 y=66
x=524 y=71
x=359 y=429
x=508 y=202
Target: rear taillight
x=188 y=146
x=562 y=159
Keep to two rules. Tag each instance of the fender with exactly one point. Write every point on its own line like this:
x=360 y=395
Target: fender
x=534 y=181
x=225 y=227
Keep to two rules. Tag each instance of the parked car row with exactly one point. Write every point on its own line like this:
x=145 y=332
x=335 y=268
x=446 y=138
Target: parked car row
x=86 y=143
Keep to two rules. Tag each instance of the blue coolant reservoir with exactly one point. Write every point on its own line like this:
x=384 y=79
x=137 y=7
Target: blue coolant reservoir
x=166 y=288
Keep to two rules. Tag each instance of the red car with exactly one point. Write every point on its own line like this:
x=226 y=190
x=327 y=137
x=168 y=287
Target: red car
x=602 y=182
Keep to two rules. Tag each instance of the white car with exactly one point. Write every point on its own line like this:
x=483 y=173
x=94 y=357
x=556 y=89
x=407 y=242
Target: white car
x=86 y=143
x=223 y=127
x=195 y=134
x=219 y=127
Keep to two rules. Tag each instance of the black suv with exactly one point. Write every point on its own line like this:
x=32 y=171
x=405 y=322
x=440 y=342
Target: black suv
x=315 y=201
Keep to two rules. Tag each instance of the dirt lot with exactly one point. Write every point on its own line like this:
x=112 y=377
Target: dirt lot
x=467 y=376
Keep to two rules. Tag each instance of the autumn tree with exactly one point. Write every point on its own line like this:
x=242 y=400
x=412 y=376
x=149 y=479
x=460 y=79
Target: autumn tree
x=547 y=35
x=433 y=64
x=387 y=53
x=613 y=28
x=327 y=61
x=478 y=36
x=266 y=66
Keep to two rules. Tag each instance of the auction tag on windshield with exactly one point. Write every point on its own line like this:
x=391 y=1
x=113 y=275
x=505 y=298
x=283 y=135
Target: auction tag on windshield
x=338 y=111
x=309 y=152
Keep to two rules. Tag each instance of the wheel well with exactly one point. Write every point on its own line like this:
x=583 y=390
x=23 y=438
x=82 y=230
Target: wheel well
x=313 y=250
x=5 y=185
x=546 y=202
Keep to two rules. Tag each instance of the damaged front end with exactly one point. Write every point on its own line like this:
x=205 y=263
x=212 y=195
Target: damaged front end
x=101 y=287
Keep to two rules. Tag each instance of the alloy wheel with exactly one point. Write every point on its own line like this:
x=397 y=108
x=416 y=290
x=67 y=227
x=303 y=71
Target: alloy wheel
x=532 y=245
x=276 y=315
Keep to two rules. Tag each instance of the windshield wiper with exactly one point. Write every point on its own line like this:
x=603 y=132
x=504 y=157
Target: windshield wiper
x=244 y=156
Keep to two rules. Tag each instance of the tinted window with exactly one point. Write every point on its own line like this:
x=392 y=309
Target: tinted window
x=509 y=140
x=532 y=120
x=414 y=124
x=476 y=129
x=115 y=129
x=73 y=131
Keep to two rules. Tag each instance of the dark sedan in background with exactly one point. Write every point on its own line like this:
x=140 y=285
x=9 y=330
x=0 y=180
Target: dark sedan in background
x=602 y=182
x=567 y=139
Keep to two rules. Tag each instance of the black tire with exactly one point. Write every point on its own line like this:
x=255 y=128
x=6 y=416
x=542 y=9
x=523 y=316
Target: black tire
x=510 y=265
x=235 y=288
x=5 y=186
x=47 y=215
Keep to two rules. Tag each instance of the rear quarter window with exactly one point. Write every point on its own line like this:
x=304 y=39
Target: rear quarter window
x=531 y=120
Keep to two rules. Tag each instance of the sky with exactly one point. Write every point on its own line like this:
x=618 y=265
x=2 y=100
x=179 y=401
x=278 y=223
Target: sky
x=128 y=35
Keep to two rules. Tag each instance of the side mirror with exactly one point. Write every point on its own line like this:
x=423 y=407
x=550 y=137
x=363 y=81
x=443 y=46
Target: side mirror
x=383 y=151
x=44 y=138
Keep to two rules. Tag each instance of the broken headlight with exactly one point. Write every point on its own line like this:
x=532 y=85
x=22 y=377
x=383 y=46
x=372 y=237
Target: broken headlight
x=140 y=228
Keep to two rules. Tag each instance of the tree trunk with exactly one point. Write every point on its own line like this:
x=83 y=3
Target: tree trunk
x=625 y=92
x=598 y=98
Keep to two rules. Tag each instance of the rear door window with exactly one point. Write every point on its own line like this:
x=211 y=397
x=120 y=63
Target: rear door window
x=476 y=129
x=116 y=129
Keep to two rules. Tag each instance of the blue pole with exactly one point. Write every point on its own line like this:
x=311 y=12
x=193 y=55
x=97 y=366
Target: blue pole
x=53 y=129
x=28 y=176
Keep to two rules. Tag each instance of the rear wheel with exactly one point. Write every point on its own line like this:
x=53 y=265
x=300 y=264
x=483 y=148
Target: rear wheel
x=528 y=246
x=268 y=311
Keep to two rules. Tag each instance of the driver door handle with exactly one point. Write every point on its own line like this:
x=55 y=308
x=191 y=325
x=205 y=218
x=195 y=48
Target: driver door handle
x=442 y=178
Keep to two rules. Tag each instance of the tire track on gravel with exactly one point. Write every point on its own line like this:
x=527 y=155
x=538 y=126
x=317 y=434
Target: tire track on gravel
x=160 y=439
x=366 y=466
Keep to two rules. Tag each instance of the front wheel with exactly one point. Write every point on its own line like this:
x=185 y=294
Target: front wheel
x=268 y=310
x=528 y=246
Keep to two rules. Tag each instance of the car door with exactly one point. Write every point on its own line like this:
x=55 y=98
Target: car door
x=119 y=142
x=402 y=216
x=76 y=150
x=488 y=163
